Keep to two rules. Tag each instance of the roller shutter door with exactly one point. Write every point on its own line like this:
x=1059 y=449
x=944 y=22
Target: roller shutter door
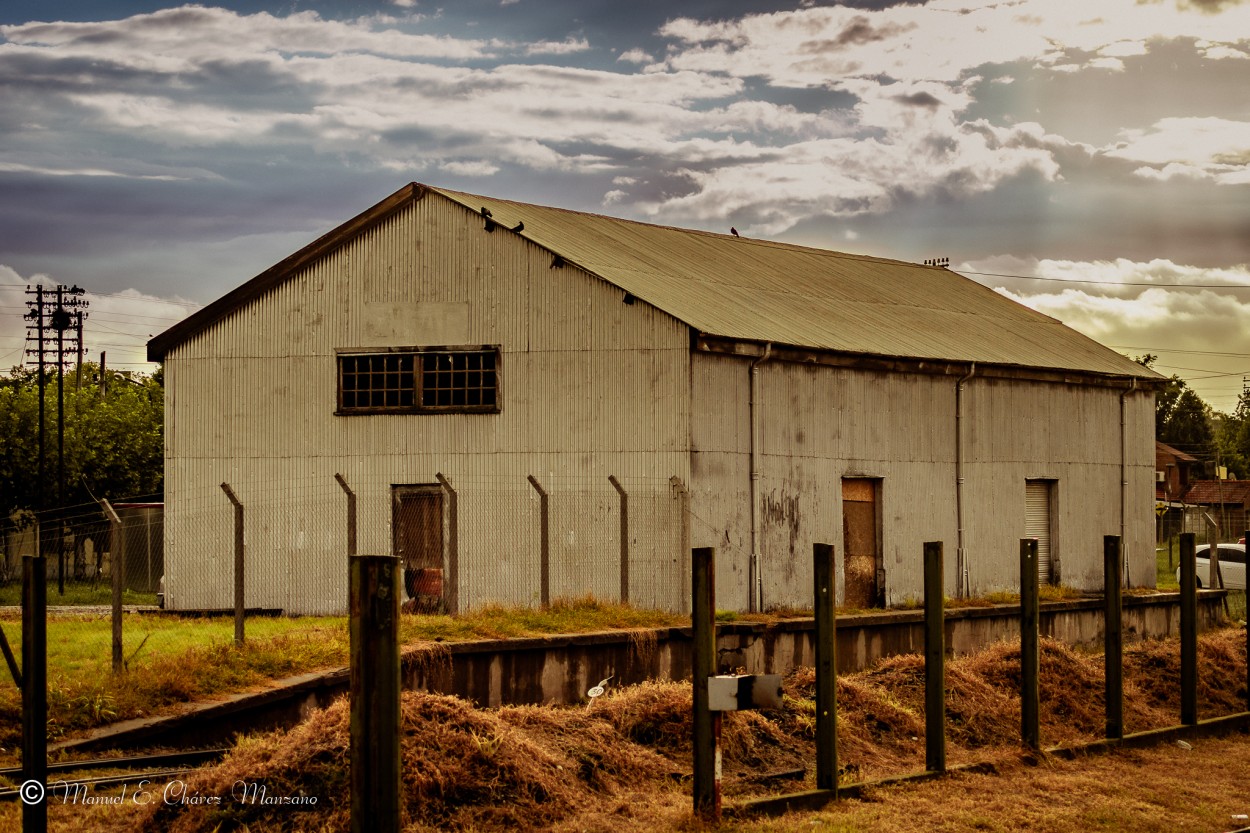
x=1037 y=494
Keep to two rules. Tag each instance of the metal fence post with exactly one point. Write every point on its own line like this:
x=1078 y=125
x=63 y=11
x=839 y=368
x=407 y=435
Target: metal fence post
x=683 y=504
x=1215 y=579
x=1030 y=733
x=375 y=694
x=1189 y=631
x=238 y=564
x=934 y=659
x=825 y=592
x=34 y=691
x=119 y=578
x=452 y=589
x=351 y=514
x=1113 y=637
x=703 y=654
x=544 y=534
x=620 y=490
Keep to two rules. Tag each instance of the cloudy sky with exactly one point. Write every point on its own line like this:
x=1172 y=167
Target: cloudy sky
x=1090 y=158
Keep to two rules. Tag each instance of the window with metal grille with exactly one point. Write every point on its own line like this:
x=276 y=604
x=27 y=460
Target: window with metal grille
x=419 y=380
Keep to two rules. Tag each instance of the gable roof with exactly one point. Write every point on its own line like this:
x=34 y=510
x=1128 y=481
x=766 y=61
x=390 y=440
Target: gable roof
x=752 y=290
x=1164 y=450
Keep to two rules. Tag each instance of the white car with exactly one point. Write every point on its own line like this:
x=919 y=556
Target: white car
x=1232 y=566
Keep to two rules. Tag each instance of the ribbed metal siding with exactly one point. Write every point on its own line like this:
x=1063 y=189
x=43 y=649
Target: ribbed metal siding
x=590 y=387
x=820 y=424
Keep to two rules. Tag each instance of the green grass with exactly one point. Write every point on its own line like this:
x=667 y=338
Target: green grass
x=169 y=660
x=562 y=616
x=1165 y=567
x=77 y=593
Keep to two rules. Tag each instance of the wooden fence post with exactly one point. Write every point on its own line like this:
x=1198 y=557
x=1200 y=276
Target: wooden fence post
x=238 y=564
x=1113 y=637
x=934 y=659
x=824 y=607
x=375 y=694
x=1189 y=631
x=706 y=785
x=34 y=691
x=1030 y=733
x=544 y=555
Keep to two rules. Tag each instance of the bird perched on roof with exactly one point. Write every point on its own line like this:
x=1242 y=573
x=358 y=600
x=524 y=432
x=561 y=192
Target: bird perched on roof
x=733 y=231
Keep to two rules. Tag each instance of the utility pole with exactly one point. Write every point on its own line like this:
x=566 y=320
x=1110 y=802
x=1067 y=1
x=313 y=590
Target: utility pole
x=66 y=314
x=79 y=316
x=60 y=321
x=36 y=314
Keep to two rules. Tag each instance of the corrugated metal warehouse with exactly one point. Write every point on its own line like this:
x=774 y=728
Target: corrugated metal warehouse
x=531 y=403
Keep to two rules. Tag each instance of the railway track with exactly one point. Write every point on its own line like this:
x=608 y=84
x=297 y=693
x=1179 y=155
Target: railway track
x=153 y=767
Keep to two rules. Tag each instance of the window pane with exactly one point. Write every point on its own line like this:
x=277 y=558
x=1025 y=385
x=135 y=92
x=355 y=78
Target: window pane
x=446 y=380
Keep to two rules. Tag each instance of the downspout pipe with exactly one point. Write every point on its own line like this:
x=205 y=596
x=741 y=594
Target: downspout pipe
x=961 y=555
x=755 y=581
x=1124 y=478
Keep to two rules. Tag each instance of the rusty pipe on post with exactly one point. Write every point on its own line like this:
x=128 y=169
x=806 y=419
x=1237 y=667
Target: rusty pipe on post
x=963 y=588
x=755 y=581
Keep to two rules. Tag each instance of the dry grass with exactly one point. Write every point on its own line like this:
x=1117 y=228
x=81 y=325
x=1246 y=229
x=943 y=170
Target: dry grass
x=1155 y=790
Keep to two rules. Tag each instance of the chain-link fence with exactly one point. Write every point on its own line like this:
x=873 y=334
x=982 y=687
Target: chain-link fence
x=465 y=541
x=1230 y=521
x=77 y=544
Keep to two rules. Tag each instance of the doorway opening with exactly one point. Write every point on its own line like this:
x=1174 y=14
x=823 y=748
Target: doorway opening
x=417 y=538
x=863 y=569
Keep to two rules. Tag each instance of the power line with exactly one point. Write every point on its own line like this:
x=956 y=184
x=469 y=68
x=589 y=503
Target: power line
x=1109 y=283
x=1193 y=352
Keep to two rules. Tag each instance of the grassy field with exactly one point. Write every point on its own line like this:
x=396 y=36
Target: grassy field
x=77 y=593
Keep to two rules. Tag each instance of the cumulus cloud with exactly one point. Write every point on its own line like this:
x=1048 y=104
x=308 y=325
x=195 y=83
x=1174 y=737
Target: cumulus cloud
x=635 y=56
x=1201 y=148
x=564 y=47
x=474 y=168
x=821 y=46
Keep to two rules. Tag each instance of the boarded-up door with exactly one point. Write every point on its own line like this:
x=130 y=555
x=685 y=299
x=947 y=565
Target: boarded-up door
x=860 y=542
x=417 y=525
x=1037 y=515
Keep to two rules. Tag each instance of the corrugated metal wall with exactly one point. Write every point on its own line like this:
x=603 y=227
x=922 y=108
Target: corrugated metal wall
x=251 y=401
x=820 y=424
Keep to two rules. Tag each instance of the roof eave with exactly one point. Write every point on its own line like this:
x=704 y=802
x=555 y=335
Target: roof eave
x=1148 y=380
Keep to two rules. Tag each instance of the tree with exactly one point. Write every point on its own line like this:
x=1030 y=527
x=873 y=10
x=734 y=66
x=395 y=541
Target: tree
x=114 y=445
x=1232 y=437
